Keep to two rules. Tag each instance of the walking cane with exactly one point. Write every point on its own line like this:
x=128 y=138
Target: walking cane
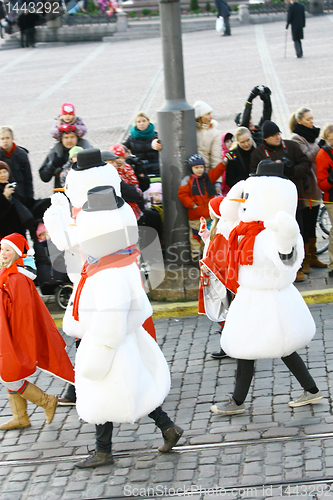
x=285 y=44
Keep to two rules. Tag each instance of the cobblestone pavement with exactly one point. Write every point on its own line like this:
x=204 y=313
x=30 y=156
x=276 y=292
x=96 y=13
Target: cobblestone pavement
x=270 y=442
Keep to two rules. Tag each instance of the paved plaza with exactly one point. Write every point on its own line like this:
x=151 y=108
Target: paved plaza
x=270 y=443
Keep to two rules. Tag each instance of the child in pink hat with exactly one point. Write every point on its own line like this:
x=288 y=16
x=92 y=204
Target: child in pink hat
x=67 y=122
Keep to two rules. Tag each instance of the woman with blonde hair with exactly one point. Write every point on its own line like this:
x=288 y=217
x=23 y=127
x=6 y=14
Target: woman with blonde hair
x=306 y=134
x=239 y=156
x=144 y=144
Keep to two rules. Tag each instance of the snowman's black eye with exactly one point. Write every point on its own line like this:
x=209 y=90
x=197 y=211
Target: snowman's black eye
x=246 y=196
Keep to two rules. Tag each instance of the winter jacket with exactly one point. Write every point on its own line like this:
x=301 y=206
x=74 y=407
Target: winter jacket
x=189 y=200
x=143 y=150
x=311 y=151
x=223 y=8
x=209 y=143
x=324 y=167
x=296 y=17
x=56 y=159
x=20 y=172
x=238 y=166
x=80 y=130
x=299 y=174
x=9 y=219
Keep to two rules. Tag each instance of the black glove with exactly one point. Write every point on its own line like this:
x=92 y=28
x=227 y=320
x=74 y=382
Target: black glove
x=330 y=175
x=57 y=162
x=265 y=94
x=289 y=166
x=254 y=93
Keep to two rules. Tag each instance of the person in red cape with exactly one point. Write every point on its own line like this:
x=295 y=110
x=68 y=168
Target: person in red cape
x=28 y=337
x=214 y=261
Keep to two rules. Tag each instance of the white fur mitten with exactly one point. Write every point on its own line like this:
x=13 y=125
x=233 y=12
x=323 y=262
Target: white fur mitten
x=286 y=232
x=57 y=220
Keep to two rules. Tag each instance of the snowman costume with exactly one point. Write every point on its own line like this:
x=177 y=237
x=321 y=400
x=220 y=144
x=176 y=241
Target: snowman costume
x=268 y=317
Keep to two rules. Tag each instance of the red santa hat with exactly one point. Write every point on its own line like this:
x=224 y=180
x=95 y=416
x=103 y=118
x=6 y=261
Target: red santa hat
x=118 y=150
x=67 y=109
x=214 y=205
x=19 y=244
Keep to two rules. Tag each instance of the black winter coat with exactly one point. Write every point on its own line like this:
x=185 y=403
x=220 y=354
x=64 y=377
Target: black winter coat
x=223 y=8
x=296 y=17
x=143 y=150
x=9 y=218
x=56 y=159
x=238 y=167
x=302 y=165
x=20 y=172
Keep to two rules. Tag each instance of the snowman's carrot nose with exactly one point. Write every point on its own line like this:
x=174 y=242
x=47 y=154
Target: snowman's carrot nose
x=241 y=200
x=59 y=189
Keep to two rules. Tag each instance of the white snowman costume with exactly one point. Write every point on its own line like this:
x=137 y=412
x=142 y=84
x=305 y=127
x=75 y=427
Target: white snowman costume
x=120 y=372
x=268 y=317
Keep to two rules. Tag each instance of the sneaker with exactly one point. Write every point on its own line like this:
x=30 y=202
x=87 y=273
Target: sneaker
x=66 y=402
x=228 y=408
x=305 y=399
x=219 y=355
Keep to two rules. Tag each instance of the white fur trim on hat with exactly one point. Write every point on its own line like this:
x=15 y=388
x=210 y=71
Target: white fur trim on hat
x=11 y=244
x=201 y=108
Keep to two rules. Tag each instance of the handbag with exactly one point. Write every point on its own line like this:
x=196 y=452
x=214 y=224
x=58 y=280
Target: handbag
x=216 y=298
x=219 y=25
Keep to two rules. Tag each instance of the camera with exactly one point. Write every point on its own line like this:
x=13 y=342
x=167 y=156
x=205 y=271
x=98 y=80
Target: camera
x=286 y=162
x=12 y=184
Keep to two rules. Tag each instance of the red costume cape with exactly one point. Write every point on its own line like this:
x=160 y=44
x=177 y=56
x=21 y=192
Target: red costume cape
x=28 y=336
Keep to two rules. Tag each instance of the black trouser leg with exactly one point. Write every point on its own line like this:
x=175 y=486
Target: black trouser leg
x=298 y=48
x=244 y=374
x=297 y=367
x=227 y=25
x=310 y=216
x=161 y=419
x=104 y=437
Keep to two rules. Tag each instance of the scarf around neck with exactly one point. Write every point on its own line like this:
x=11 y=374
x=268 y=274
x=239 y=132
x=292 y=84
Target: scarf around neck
x=200 y=183
x=143 y=134
x=9 y=153
x=240 y=253
x=310 y=134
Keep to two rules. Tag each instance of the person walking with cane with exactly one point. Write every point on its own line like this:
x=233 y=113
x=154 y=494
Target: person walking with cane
x=296 y=18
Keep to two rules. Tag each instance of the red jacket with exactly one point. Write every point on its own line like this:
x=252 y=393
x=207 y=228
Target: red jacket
x=189 y=200
x=324 y=166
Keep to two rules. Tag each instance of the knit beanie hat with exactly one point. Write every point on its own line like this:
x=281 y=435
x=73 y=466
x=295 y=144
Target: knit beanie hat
x=4 y=166
x=67 y=109
x=201 y=108
x=118 y=150
x=74 y=151
x=214 y=205
x=196 y=160
x=269 y=129
x=18 y=243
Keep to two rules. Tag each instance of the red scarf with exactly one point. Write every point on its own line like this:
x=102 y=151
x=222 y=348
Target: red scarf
x=9 y=270
x=113 y=260
x=240 y=253
x=9 y=153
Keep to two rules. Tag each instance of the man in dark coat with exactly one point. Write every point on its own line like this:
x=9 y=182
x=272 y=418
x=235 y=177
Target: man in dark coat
x=223 y=10
x=296 y=17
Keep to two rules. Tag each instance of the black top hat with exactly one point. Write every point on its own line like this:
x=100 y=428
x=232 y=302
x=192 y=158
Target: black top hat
x=89 y=158
x=102 y=198
x=270 y=168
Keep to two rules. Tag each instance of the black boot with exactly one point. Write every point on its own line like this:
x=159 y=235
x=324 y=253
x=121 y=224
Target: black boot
x=219 y=354
x=170 y=431
x=97 y=459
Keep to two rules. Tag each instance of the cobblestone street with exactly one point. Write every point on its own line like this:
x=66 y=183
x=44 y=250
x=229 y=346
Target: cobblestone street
x=270 y=443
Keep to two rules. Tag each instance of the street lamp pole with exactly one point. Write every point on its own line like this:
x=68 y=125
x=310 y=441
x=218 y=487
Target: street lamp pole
x=176 y=125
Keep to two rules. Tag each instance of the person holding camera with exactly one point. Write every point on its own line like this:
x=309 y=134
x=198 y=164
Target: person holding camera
x=245 y=120
x=9 y=219
x=297 y=167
